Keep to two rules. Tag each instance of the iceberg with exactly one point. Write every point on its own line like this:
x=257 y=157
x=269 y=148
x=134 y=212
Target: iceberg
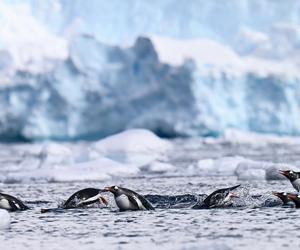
x=243 y=168
x=96 y=68
x=136 y=146
x=122 y=155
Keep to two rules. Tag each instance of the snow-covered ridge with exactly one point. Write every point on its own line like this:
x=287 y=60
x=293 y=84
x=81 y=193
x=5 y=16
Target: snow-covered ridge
x=211 y=56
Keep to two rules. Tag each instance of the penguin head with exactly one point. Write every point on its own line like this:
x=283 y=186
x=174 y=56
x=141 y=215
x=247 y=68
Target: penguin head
x=229 y=197
x=232 y=195
x=294 y=197
x=282 y=196
x=113 y=189
x=290 y=174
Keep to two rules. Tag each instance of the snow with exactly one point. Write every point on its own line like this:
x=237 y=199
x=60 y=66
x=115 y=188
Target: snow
x=28 y=42
x=213 y=56
x=4 y=219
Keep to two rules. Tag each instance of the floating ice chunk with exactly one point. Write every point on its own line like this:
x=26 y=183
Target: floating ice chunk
x=56 y=154
x=223 y=166
x=97 y=170
x=258 y=170
x=243 y=137
x=243 y=168
x=136 y=146
x=252 y=174
x=273 y=174
x=158 y=167
x=4 y=219
x=100 y=169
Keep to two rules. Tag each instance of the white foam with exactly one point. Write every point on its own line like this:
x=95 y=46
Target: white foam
x=4 y=219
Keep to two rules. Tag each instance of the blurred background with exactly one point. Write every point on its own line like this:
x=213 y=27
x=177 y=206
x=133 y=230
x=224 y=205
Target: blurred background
x=73 y=70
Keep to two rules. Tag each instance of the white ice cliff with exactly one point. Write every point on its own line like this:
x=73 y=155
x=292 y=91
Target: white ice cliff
x=86 y=69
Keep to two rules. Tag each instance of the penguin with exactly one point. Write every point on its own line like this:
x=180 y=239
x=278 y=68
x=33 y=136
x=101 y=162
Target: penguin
x=85 y=197
x=283 y=196
x=11 y=203
x=219 y=198
x=293 y=176
x=81 y=198
x=127 y=199
x=295 y=198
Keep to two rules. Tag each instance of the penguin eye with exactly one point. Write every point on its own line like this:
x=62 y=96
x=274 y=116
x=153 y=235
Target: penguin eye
x=284 y=193
x=116 y=188
x=291 y=172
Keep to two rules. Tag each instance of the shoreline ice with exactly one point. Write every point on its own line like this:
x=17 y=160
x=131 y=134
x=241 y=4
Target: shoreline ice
x=140 y=152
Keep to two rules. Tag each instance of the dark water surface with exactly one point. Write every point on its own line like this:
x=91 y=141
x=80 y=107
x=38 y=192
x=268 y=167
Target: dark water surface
x=252 y=225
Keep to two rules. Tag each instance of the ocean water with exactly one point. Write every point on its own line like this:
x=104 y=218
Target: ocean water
x=256 y=221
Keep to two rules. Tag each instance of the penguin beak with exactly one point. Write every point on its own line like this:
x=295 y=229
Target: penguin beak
x=234 y=195
x=103 y=200
x=291 y=196
x=107 y=189
x=284 y=172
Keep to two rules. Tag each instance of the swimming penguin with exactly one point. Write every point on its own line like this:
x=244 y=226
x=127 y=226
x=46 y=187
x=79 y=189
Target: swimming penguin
x=293 y=176
x=283 y=196
x=11 y=203
x=81 y=198
x=127 y=199
x=295 y=198
x=219 y=198
x=85 y=197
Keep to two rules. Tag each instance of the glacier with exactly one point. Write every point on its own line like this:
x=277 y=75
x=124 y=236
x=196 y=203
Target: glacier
x=85 y=70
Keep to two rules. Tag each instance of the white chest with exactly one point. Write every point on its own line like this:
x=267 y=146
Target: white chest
x=125 y=204
x=296 y=184
x=4 y=204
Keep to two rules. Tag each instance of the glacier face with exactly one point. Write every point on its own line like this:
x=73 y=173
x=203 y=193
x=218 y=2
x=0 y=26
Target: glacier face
x=67 y=74
x=92 y=95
